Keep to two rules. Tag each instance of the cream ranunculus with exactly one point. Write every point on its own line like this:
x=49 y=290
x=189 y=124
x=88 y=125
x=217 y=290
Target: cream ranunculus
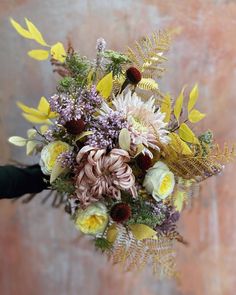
x=159 y=181
x=93 y=220
x=50 y=153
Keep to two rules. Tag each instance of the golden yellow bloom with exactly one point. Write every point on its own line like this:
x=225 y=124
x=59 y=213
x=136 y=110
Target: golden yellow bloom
x=159 y=181
x=50 y=153
x=93 y=220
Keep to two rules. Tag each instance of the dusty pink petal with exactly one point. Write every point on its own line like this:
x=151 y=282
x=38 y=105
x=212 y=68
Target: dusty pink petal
x=103 y=175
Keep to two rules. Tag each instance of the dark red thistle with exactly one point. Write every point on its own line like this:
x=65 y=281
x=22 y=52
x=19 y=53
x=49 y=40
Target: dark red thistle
x=75 y=127
x=133 y=75
x=120 y=212
x=144 y=162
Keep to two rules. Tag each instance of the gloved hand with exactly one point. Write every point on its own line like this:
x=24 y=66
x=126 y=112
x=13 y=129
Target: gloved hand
x=16 y=182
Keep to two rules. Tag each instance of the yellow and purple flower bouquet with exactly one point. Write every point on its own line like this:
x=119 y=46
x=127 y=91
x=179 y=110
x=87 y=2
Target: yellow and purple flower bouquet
x=121 y=153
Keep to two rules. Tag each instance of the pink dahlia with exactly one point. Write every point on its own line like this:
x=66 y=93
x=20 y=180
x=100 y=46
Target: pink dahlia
x=103 y=174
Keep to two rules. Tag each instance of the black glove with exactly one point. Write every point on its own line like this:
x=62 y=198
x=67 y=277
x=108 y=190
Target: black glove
x=15 y=182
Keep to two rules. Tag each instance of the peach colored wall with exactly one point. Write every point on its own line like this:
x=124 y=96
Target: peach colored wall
x=40 y=251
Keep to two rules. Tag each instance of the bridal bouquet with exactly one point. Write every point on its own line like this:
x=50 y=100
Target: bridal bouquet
x=121 y=152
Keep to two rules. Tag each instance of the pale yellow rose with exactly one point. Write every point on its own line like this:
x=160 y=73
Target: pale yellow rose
x=159 y=181
x=93 y=220
x=50 y=153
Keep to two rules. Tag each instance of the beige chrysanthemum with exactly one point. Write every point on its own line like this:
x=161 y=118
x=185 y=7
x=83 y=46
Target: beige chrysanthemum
x=146 y=124
x=103 y=175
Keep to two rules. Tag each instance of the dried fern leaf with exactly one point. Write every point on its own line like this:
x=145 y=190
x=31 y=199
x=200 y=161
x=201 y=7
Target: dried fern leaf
x=147 y=54
x=134 y=255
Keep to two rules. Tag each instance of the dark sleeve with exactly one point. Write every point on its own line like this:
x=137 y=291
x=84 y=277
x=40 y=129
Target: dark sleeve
x=15 y=182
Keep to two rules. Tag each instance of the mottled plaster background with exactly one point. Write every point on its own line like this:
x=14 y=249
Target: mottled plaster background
x=40 y=251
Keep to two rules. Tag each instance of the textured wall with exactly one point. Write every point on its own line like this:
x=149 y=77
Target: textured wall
x=40 y=251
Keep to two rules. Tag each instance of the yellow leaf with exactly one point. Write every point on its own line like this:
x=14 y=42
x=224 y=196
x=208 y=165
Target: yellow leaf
x=31 y=145
x=36 y=119
x=58 y=52
x=112 y=233
x=57 y=170
x=179 y=104
x=36 y=35
x=90 y=77
x=44 y=106
x=104 y=86
x=179 y=200
x=140 y=148
x=166 y=107
x=124 y=139
x=39 y=54
x=193 y=97
x=43 y=128
x=187 y=134
x=195 y=116
x=20 y=30
x=31 y=133
x=17 y=140
x=178 y=145
x=142 y=231
x=83 y=134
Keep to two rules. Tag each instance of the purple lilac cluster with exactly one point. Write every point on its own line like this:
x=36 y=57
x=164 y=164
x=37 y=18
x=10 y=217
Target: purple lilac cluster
x=75 y=106
x=171 y=217
x=66 y=159
x=106 y=129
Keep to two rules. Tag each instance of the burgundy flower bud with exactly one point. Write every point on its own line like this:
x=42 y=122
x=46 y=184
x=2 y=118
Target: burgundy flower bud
x=120 y=212
x=75 y=127
x=133 y=75
x=144 y=162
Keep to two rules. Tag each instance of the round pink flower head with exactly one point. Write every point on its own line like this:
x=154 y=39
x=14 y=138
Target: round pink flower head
x=103 y=174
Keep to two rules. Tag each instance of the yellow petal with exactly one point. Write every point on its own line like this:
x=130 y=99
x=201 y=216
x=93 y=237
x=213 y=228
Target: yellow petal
x=17 y=140
x=187 y=134
x=39 y=54
x=112 y=233
x=195 y=116
x=124 y=139
x=58 y=52
x=193 y=97
x=142 y=231
x=29 y=110
x=36 y=35
x=20 y=30
x=104 y=86
x=179 y=104
x=44 y=106
x=166 y=107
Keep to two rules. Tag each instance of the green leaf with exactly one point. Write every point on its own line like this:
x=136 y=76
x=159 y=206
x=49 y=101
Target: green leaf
x=39 y=54
x=195 y=116
x=17 y=140
x=104 y=86
x=166 y=107
x=142 y=231
x=193 y=97
x=179 y=104
x=58 y=52
x=36 y=35
x=124 y=139
x=31 y=133
x=83 y=134
x=187 y=134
